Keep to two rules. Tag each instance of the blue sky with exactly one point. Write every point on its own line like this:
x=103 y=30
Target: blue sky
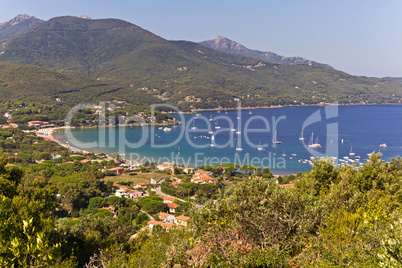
x=360 y=37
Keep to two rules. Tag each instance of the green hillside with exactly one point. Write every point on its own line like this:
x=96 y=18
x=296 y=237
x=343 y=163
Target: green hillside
x=304 y=83
x=144 y=67
x=37 y=84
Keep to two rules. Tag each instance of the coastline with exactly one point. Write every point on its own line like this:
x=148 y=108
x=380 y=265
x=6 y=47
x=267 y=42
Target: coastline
x=281 y=106
x=50 y=134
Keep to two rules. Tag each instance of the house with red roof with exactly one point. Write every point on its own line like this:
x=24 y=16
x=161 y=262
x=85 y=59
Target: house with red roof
x=182 y=220
x=167 y=199
x=133 y=193
x=117 y=170
x=172 y=207
x=164 y=225
x=141 y=185
x=165 y=167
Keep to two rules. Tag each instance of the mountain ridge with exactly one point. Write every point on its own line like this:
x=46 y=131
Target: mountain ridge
x=183 y=73
x=224 y=44
x=396 y=79
x=18 y=24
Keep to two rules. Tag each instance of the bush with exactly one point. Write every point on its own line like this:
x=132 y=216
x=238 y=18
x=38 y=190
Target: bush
x=75 y=214
x=96 y=202
x=115 y=201
x=155 y=207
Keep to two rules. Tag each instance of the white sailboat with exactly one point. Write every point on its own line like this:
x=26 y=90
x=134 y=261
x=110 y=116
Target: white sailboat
x=211 y=119
x=232 y=129
x=260 y=147
x=351 y=153
x=275 y=140
x=193 y=127
x=213 y=137
x=301 y=138
x=239 y=149
x=312 y=144
x=383 y=145
x=216 y=125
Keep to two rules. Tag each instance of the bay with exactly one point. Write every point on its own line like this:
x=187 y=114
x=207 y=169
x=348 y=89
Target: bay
x=339 y=129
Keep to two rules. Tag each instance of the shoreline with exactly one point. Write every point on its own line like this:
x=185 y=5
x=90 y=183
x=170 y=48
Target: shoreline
x=282 y=106
x=50 y=136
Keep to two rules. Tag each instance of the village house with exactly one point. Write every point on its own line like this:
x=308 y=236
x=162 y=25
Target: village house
x=168 y=199
x=141 y=185
x=175 y=183
x=133 y=193
x=165 y=167
x=116 y=170
x=202 y=179
x=182 y=220
x=164 y=225
x=117 y=186
x=188 y=170
x=202 y=172
x=86 y=161
x=172 y=207
x=37 y=123
x=122 y=193
x=165 y=217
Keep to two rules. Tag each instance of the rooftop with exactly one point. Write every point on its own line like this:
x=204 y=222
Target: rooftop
x=183 y=218
x=172 y=205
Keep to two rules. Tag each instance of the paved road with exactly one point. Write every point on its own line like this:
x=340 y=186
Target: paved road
x=143 y=228
x=158 y=191
x=150 y=217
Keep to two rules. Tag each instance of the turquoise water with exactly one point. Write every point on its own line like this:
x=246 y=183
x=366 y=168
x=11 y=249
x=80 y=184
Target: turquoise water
x=340 y=129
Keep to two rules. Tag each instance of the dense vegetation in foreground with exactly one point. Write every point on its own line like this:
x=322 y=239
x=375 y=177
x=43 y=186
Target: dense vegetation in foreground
x=52 y=214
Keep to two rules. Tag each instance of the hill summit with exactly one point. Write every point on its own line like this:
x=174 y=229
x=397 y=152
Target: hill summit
x=18 y=24
x=224 y=44
x=137 y=65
